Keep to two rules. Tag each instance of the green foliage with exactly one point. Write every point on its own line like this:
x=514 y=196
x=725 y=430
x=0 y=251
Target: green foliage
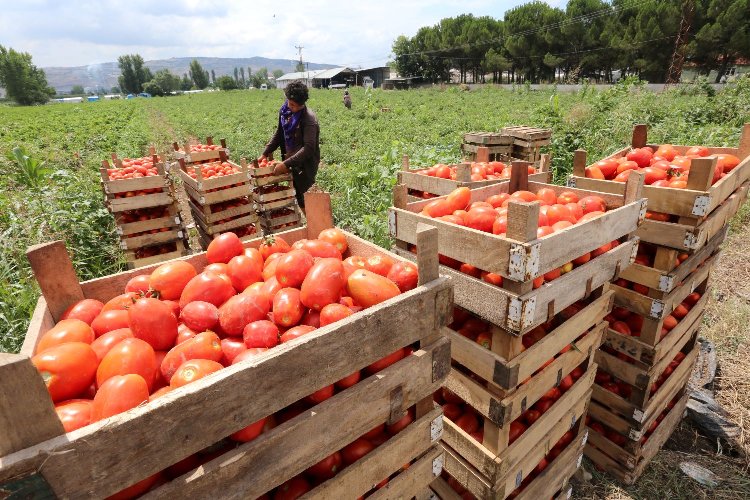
x=77 y=90
x=133 y=73
x=164 y=82
x=198 y=75
x=23 y=81
x=226 y=83
x=29 y=172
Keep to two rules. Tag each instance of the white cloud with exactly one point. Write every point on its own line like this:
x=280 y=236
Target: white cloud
x=87 y=32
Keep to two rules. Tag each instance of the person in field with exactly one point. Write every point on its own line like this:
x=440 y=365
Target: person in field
x=347 y=100
x=298 y=136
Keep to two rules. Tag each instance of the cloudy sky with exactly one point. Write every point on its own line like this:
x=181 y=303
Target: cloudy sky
x=77 y=33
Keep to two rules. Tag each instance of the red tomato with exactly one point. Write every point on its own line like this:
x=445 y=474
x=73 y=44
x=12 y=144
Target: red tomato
x=607 y=167
x=74 y=413
x=356 y=450
x=273 y=244
x=262 y=333
x=245 y=269
x=641 y=156
x=666 y=151
x=324 y=283
x=103 y=344
x=137 y=489
x=296 y=332
x=321 y=395
x=405 y=275
x=349 y=380
x=680 y=311
x=292 y=267
x=516 y=429
x=727 y=162
x=153 y=321
x=248 y=354
x=547 y=196
x=592 y=204
x=353 y=263
x=271 y=287
x=217 y=268
x=194 y=369
x=566 y=383
x=243 y=309
x=336 y=237
x=379 y=264
x=319 y=248
x=481 y=218
x=654 y=174
x=326 y=468
x=497 y=200
x=85 y=310
x=139 y=284
x=437 y=208
x=312 y=317
x=114 y=319
x=231 y=347
x=594 y=173
x=247 y=434
x=129 y=356
x=698 y=151
x=121 y=302
x=223 y=248
x=452 y=411
x=67 y=369
x=500 y=226
x=199 y=315
x=385 y=362
x=368 y=289
x=287 y=307
x=621 y=328
x=468 y=422
x=118 y=394
x=205 y=345
x=459 y=199
x=66 y=330
x=557 y=213
x=333 y=312
x=292 y=489
x=183 y=333
x=208 y=287
x=169 y=279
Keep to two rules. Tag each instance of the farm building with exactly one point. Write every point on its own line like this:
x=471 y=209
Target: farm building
x=377 y=75
x=319 y=78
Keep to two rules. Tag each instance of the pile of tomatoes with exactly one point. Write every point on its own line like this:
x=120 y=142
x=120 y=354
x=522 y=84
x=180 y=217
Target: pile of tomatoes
x=465 y=417
x=491 y=216
x=621 y=440
x=199 y=148
x=214 y=169
x=630 y=324
x=265 y=163
x=226 y=205
x=150 y=231
x=154 y=250
x=664 y=167
x=133 y=169
x=176 y=325
x=480 y=171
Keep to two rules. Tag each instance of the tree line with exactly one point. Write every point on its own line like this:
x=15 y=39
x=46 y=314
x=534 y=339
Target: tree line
x=591 y=39
x=135 y=78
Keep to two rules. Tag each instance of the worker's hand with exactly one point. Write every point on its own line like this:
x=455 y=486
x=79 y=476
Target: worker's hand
x=280 y=169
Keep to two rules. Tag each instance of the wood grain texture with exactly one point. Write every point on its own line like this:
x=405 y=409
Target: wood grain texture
x=56 y=276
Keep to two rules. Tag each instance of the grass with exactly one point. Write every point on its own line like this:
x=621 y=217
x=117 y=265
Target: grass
x=361 y=150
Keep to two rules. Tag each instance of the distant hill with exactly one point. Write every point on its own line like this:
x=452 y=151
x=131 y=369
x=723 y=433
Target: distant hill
x=105 y=74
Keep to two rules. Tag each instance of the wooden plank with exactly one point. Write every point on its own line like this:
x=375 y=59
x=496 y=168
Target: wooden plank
x=150 y=239
x=466 y=475
x=169 y=221
x=557 y=473
x=318 y=205
x=41 y=321
x=27 y=414
x=138 y=202
x=640 y=136
x=215 y=229
x=125 y=185
x=729 y=184
x=139 y=432
x=361 y=476
x=199 y=212
x=443 y=490
x=415 y=480
x=273 y=196
x=56 y=276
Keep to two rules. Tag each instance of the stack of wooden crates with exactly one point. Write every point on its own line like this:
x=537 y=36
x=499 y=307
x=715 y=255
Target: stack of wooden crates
x=645 y=364
x=220 y=203
x=504 y=382
x=528 y=141
x=146 y=213
x=275 y=200
x=487 y=146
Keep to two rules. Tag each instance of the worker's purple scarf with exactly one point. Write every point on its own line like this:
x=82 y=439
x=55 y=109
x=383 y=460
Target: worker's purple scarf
x=289 y=122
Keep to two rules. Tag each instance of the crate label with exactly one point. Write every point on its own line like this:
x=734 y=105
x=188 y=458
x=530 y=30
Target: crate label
x=691 y=241
x=666 y=283
x=700 y=206
x=657 y=309
x=437 y=465
x=638 y=415
x=519 y=478
x=642 y=213
x=532 y=262
x=436 y=428
x=177 y=220
x=517 y=262
x=571 y=181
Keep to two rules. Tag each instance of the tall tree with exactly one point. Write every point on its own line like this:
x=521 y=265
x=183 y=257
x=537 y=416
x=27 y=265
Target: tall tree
x=77 y=90
x=260 y=77
x=213 y=76
x=23 y=81
x=277 y=73
x=532 y=33
x=243 y=84
x=236 y=75
x=166 y=81
x=133 y=73
x=724 y=37
x=198 y=75
x=226 y=82
x=186 y=83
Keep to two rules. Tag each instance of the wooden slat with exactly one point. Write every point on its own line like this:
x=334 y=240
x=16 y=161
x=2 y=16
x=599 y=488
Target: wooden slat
x=138 y=202
x=365 y=473
x=56 y=276
x=415 y=480
x=318 y=203
x=557 y=473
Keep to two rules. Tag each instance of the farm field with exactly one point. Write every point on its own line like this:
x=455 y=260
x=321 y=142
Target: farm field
x=361 y=150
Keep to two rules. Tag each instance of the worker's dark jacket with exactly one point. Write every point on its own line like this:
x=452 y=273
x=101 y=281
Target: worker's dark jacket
x=303 y=161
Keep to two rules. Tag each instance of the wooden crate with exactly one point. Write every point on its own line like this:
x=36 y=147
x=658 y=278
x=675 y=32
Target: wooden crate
x=207 y=215
x=417 y=181
x=170 y=220
x=628 y=465
x=520 y=257
x=40 y=459
x=487 y=139
x=216 y=190
x=528 y=134
x=632 y=420
x=133 y=261
x=664 y=276
x=269 y=201
x=495 y=476
x=688 y=238
x=700 y=198
x=655 y=310
x=119 y=195
x=271 y=224
x=194 y=158
x=518 y=313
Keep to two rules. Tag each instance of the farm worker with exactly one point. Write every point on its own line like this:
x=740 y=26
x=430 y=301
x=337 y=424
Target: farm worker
x=298 y=136
x=347 y=100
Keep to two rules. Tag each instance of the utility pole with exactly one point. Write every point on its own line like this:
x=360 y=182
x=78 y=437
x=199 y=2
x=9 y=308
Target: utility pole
x=300 y=66
x=678 y=56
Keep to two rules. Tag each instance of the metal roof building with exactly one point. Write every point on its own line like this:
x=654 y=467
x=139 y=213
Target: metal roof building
x=319 y=78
